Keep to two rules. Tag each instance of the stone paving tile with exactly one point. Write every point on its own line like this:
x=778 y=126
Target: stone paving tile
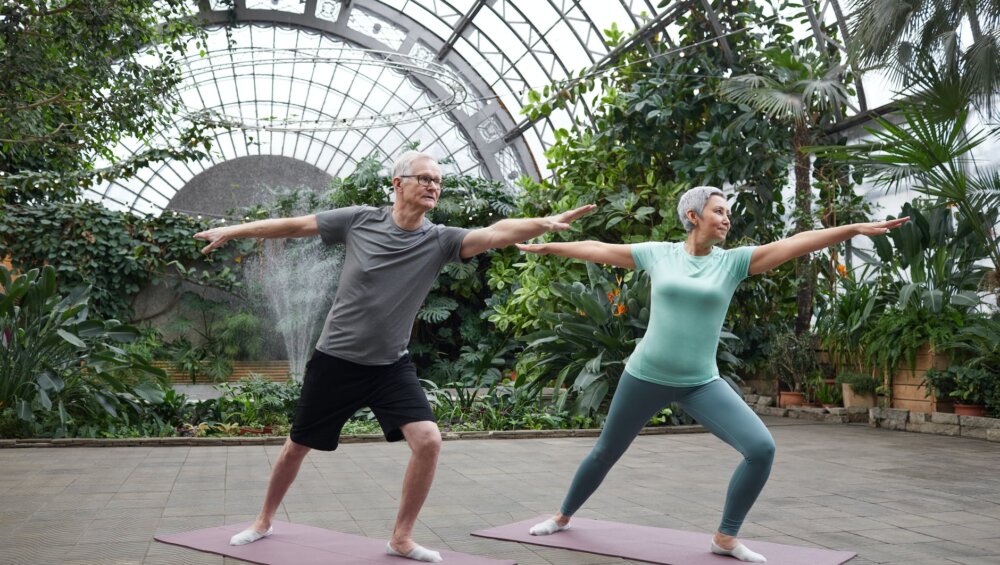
x=892 y=497
x=895 y=535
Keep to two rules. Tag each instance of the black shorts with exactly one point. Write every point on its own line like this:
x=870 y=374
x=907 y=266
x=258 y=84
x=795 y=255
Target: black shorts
x=334 y=389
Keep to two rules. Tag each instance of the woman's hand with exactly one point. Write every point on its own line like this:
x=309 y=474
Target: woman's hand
x=536 y=248
x=880 y=228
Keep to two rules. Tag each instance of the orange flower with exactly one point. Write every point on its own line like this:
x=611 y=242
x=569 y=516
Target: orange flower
x=582 y=313
x=611 y=297
x=841 y=270
x=618 y=309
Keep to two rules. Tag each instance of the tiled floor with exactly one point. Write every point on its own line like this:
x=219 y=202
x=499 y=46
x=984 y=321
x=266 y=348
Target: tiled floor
x=892 y=497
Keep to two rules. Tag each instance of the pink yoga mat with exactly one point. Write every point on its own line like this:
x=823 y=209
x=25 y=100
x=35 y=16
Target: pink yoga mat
x=656 y=545
x=295 y=544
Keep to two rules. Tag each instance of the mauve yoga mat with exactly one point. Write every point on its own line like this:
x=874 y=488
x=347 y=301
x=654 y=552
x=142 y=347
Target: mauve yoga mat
x=656 y=545
x=295 y=544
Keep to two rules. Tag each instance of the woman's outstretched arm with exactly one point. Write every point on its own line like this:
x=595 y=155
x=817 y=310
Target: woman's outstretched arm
x=619 y=255
x=771 y=255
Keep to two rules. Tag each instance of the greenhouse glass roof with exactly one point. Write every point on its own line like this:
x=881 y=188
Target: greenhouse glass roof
x=328 y=82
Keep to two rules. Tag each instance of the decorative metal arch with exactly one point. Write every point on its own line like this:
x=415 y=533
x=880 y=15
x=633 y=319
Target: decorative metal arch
x=500 y=48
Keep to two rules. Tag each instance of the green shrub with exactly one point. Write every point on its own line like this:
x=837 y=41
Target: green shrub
x=859 y=383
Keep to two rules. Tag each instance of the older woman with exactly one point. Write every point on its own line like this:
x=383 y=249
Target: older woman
x=692 y=284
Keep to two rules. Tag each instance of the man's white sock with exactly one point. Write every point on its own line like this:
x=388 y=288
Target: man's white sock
x=418 y=553
x=546 y=528
x=740 y=552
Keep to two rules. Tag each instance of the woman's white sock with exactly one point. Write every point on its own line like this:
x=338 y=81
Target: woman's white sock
x=740 y=552
x=547 y=527
x=249 y=535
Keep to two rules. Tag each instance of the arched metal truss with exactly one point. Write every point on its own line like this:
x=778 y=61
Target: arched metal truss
x=499 y=49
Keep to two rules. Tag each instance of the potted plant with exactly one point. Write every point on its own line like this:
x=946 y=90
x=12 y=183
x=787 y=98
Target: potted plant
x=857 y=389
x=969 y=386
x=972 y=385
x=828 y=395
x=793 y=361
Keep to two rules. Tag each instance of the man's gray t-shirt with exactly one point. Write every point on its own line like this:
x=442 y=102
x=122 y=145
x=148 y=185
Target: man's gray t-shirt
x=387 y=274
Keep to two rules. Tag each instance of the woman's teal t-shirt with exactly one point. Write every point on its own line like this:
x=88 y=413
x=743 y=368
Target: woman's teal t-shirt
x=690 y=296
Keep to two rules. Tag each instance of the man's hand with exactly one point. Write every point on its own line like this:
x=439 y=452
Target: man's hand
x=561 y=222
x=881 y=228
x=216 y=238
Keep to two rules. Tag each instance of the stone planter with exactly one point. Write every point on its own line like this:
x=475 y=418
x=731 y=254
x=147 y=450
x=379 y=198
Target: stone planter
x=908 y=389
x=852 y=399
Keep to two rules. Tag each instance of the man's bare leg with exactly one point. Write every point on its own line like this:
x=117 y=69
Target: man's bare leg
x=286 y=467
x=424 y=440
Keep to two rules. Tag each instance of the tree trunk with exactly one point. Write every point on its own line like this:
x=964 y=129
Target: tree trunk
x=803 y=211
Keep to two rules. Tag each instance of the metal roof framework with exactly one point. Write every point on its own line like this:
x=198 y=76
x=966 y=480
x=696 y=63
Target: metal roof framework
x=496 y=49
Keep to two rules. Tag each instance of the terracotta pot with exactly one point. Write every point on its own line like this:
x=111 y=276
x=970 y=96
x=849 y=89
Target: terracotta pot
x=786 y=399
x=969 y=409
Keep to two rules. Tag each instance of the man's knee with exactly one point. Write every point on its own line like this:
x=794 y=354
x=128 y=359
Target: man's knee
x=424 y=438
x=295 y=451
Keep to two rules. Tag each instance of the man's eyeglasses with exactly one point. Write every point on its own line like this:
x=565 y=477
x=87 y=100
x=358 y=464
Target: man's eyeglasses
x=424 y=180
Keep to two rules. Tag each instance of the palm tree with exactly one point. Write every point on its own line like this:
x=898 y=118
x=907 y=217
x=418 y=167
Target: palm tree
x=902 y=35
x=803 y=90
x=929 y=150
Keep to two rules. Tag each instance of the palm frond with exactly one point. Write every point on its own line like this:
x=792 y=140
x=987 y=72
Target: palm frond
x=764 y=95
x=982 y=69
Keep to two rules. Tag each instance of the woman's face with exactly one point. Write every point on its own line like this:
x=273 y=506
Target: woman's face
x=714 y=222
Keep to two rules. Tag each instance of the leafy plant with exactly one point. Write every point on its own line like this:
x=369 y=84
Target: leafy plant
x=907 y=40
x=978 y=343
x=793 y=359
x=256 y=401
x=929 y=152
x=78 y=77
x=803 y=89
x=60 y=368
x=826 y=393
x=587 y=348
x=967 y=385
x=860 y=383
x=116 y=253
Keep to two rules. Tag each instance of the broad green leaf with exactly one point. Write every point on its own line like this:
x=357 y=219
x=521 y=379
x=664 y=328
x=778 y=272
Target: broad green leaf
x=71 y=339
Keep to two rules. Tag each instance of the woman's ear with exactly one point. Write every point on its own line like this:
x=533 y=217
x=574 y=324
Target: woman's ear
x=692 y=217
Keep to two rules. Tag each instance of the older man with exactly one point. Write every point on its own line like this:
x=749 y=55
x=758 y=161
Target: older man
x=393 y=254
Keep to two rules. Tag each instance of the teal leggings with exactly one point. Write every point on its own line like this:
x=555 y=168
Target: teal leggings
x=714 y=405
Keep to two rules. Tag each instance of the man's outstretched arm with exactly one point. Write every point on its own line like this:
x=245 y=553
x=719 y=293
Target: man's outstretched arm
x=515 y=230
x=301 y=226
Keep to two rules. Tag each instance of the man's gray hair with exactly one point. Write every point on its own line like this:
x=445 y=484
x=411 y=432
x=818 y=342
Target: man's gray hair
x=404 y=163
x=695 y=199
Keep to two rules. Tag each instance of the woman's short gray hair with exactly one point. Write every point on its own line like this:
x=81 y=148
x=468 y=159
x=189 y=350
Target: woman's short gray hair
x=404 y=163
x=695 y=199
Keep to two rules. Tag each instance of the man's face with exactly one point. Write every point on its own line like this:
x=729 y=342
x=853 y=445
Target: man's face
x=420 y=188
